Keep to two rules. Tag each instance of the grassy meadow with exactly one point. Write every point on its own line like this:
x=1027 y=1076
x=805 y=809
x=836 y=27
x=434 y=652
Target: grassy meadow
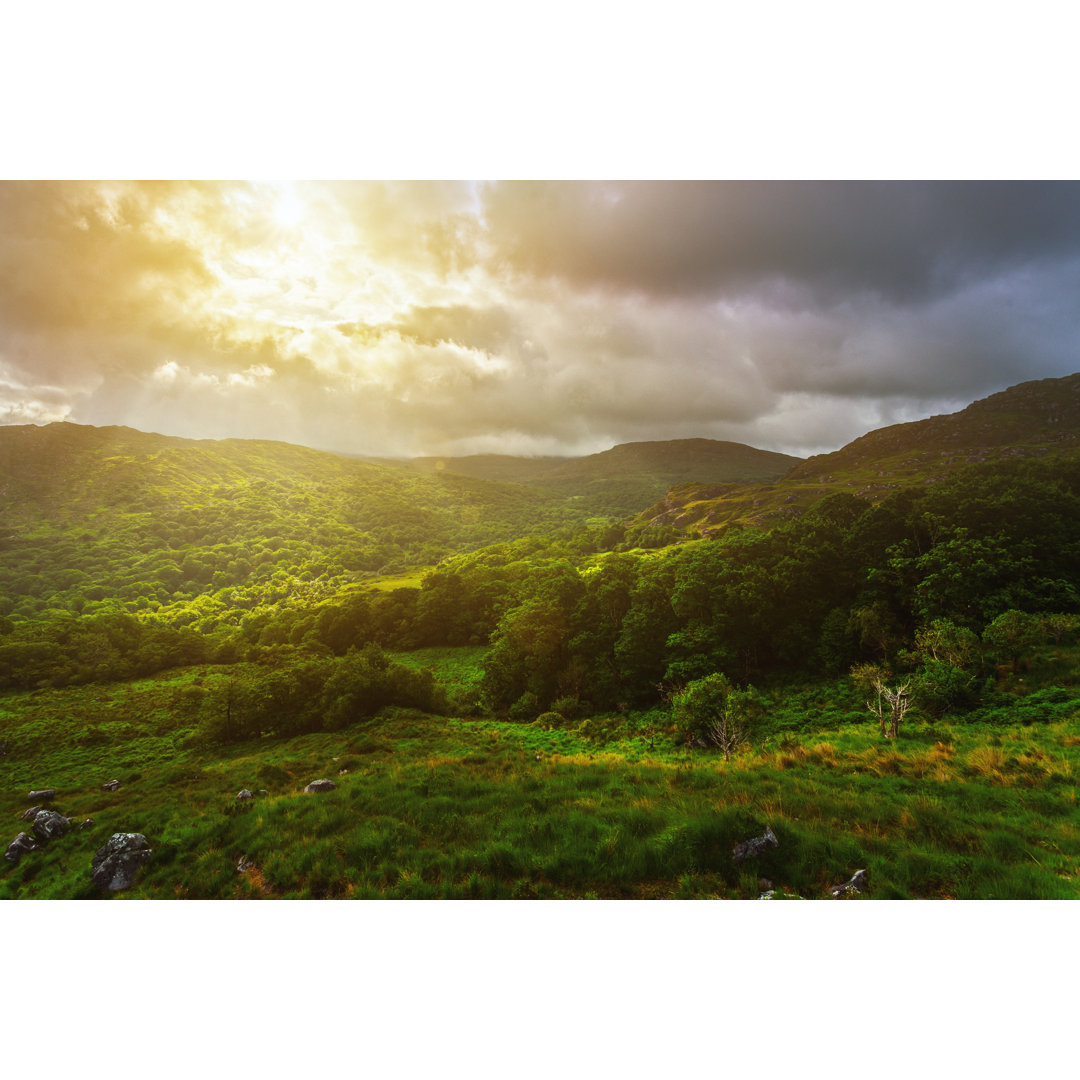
x=433 y=807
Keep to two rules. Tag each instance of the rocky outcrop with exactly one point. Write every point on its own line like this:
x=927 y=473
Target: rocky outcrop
x=45 y=825
x=859 y=883
x=48 y=824
x=45 y=794
x=319 y=785
x=244 y=794
x=757 y=846
x=18 y=847
x=119 y=860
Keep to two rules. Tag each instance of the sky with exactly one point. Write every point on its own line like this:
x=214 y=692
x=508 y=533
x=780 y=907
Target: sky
x=548 y=317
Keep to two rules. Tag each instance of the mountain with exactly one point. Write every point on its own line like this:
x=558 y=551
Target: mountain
x=1032 y=419
x=621 y=480
x=98 y=515
x=91 y=517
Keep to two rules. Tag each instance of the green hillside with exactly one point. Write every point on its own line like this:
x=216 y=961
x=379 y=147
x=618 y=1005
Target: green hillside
x=622 y=480
x=1030 y=420
x=117 y=516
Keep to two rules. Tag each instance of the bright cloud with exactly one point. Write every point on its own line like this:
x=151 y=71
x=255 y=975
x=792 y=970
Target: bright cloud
x=408 y=318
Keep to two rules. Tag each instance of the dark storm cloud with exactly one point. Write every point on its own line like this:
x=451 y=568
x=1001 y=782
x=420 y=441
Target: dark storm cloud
x=904 y=241
x=408 y=318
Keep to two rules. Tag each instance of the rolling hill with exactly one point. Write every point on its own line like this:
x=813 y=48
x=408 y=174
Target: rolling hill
x=1032 y=419
x=627 y=477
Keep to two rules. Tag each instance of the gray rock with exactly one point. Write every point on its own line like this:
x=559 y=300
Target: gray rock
x=859 y=883
x=263 y=791
x=245 y=864
x=48 y=824
x=18 y=847
x=110 y=785
x=118 y=861
x=245 y=794
x=342 y=772
x=750 y=848
x=320 y=785
x=44 y=794
x=87 y=823
x=26 y=815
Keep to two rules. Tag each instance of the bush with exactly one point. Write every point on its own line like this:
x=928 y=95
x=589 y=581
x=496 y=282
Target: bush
x=525 y=709
x=712 y=712
x=942 y=688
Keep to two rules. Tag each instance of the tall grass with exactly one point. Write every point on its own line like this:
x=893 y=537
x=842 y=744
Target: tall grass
x=433 y=807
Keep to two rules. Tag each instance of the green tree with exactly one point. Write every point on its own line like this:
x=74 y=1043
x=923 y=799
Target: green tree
x=712 y=712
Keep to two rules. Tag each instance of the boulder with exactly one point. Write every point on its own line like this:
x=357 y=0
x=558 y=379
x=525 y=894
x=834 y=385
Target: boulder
x=48 y=824
x=245 y=794
x=750 y=848
x=859 y=883
x=245 y=864
x=87 y=823
x=26 y=815
x=119 y=860
x=320 y=785
x=110 y=785
x=44 y=794
x=18 y=847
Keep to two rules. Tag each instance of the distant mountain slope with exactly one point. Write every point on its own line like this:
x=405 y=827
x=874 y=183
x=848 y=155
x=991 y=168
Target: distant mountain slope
x=144 y=518
x=1028 y=420
x=628 y=476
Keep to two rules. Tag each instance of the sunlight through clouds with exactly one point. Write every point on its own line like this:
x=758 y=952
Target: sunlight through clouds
x=422 y=317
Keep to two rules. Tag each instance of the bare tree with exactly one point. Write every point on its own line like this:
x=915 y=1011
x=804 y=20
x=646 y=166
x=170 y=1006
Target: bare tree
x=897 y=702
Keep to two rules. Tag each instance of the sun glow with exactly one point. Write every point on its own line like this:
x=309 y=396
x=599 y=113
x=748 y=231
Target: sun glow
x=288 y=208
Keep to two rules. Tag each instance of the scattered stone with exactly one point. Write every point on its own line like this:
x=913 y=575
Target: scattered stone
x=342 y=772
x=751 y=848
x=45 y=794
x=26 y=815
x=859 y=883
x=119 y=860
x=18 y=847
x=110 y=785
x=245 y=794
x=263 y=791
x=245 y=864
x=48 y=824
x=319 y=785
x=87 y=823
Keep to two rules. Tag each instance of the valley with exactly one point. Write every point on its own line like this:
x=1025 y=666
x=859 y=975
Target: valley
x=545 y=678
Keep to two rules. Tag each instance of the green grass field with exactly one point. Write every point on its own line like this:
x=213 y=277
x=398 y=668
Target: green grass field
x=434 y=807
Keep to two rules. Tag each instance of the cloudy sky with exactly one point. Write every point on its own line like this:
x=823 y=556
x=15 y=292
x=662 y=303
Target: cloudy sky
x=549 y=317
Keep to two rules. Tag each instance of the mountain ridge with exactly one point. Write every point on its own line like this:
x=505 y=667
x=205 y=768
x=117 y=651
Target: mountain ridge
x=1030 y=419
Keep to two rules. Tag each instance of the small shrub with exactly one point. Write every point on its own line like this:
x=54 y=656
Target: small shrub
x=525 y=709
